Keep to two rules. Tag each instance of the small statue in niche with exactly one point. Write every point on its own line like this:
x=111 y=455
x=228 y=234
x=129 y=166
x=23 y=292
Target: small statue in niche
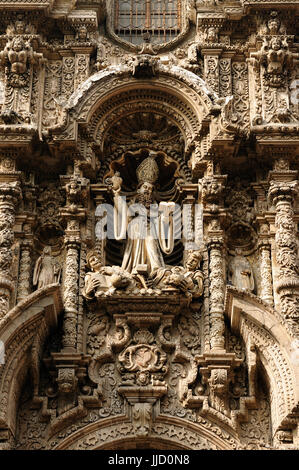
x=240 y=272
x=103 y=280
x=47 y=270
x=101 y=61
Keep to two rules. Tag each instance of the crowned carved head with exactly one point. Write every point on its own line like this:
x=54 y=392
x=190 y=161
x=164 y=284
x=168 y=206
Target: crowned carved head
x=82 y=33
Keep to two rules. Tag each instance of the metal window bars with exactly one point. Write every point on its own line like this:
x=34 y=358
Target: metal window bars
x=161 y=18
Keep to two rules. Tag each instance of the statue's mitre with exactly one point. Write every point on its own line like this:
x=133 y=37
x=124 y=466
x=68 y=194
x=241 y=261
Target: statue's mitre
x=148 y=171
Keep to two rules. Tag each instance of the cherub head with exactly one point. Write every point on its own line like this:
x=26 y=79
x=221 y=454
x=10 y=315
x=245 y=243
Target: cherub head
x=18 y=44
x=20 y=27
x=275 y=44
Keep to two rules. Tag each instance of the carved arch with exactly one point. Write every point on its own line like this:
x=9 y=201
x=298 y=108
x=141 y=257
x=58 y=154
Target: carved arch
x=185 y=97
x=23 y=332
x=171 y=431
x=265 y=336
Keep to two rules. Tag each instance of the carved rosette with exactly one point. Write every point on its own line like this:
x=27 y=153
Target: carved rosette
x=217 y=289
x=266 y=272
x=10 y=194
x=282 y=194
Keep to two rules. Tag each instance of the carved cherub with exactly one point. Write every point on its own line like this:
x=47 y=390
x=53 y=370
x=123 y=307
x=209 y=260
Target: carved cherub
x=17 y=54
x=276 y=58
x=147 y=47
x=116 y=182
x=19 y=28
x=73 y=191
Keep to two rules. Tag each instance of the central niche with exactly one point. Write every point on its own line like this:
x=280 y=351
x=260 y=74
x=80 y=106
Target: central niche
x=126 y=169
x=128 y=143
x=128 y=163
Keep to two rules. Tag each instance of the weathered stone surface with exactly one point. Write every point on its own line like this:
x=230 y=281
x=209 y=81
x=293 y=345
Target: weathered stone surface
x=178 y=329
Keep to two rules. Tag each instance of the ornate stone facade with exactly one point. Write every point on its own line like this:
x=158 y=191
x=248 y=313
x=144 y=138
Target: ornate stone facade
x=149 y=211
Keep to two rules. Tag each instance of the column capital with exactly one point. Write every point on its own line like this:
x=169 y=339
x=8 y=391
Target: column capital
x=282 y=191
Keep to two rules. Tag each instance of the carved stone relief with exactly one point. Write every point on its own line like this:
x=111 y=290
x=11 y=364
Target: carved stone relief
x=173 y=140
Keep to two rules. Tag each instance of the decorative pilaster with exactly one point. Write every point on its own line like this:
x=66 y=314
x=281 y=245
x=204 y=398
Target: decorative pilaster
x=212 y=197
x=81 y=68
x=217 y=290
x=282 y=194
x=73 y=213
x=25 y=270
x=266 y=272
x=71 y=291
x=10 y=193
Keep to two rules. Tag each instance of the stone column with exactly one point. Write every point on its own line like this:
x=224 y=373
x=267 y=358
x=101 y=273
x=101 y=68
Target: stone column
x=71 y=287
x=217 y=291
x=281 y=195
x=10 y=193
x=266 y=272
x=214 y=213
x=25 y=270
x=73 y=213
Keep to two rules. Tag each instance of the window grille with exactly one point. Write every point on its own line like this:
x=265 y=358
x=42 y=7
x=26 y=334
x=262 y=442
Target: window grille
x=161 y=18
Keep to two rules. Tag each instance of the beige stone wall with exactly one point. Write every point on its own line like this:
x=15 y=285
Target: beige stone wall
x=110 y=344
